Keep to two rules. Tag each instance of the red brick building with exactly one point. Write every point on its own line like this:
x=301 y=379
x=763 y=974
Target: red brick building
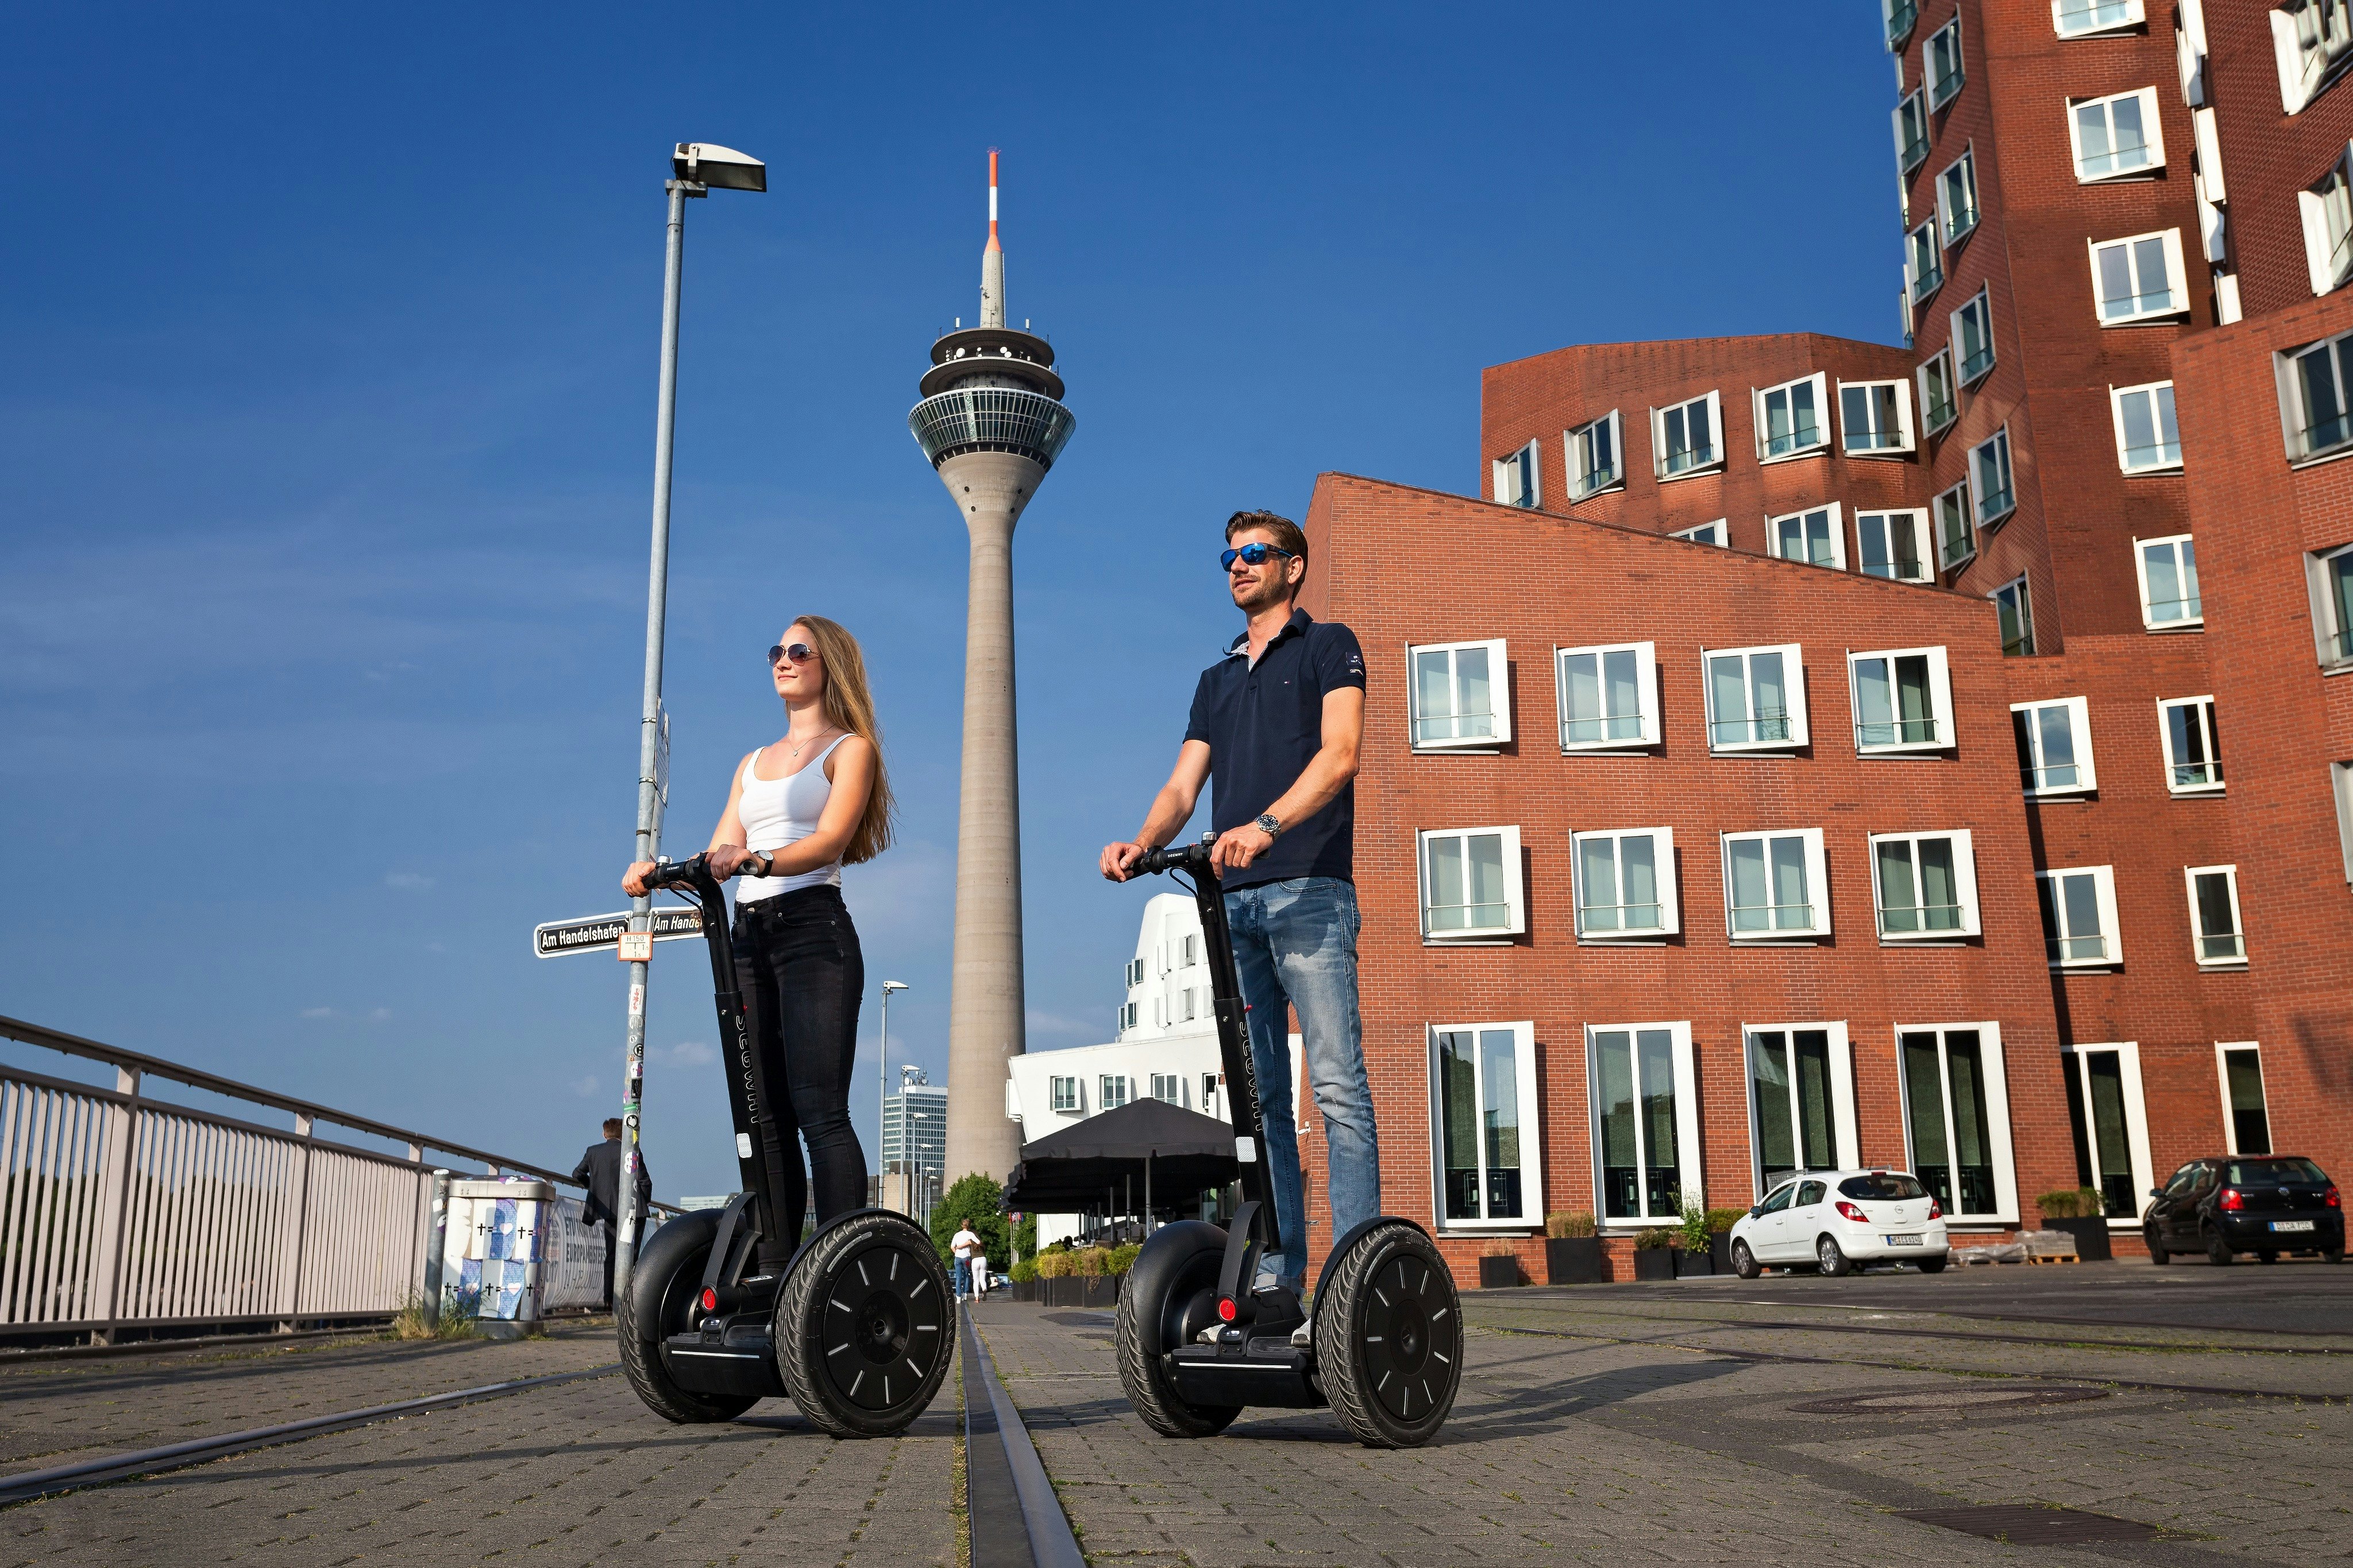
x=1968 y=785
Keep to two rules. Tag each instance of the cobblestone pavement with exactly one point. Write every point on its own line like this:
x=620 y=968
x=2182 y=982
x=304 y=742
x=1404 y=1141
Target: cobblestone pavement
x=1610 y=1425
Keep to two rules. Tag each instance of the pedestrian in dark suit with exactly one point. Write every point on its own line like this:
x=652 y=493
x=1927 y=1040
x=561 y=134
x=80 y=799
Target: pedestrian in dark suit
x=600 y=1172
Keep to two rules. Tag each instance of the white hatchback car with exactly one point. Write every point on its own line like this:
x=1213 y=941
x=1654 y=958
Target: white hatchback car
x=1837 y=1221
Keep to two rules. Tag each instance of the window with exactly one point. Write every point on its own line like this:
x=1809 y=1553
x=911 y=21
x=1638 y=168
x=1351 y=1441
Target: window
x=2313 y=407
x=1957 y=1118
x=1516 y=477
x=2311 y=39
x=1593 y=457
x=2246 y=1125
x=1706 y=534
x=1484 y=1078
x=1895 y=544
x=1957 y=198
x=2193 y=750
x=2055 y=746
x=1471 y=883
x=1127 y=1017
x=1066 y=1093
x=1814 y=537
x=1192 y=951
x=2340 y=784
x=1875 y=416
x=1684 y=436
x=2111 y=1126
x=1789 y=419
x=2082 y=18
x=1645 y=1121
x=1898 y=16
x=1135 y=972
x=1939 y=399
x=1902 y=700
x=2169 y=582
x=1991 y=478
x=2014 y=617
x=1927 y=886
x=1756 y=698
x=1912 y=131
x=1940 y=58
x=1461 y=696
x=2328 y=574
x=2079 y=918
x=2116 y=137
x=1168 y=1086
x=1209 y=1094
x=1924 y=262
x=1626 y=884
x=1775 y=888
x=1973 y=338
x=2221 y=941
x=1801 y=1100
x=2138 y=278
x=1112 y=1091
x=1186 y=1009
x=2148 y=441
x=1609 y=696
x=2327 y=209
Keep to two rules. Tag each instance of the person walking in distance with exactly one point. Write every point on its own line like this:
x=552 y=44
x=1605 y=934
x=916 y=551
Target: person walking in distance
x=1275 y=728
x=967 y=1246
x=599 y=1171
x=801 y=808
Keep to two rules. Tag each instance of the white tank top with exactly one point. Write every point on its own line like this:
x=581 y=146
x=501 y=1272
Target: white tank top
x=776 y=813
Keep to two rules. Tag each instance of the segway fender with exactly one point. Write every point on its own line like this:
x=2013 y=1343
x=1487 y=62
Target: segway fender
x=661 y=1257
x=1157 y=1283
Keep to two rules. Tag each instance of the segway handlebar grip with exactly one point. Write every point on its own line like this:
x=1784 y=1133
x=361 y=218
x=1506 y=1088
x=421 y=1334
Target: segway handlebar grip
x=1192 y=857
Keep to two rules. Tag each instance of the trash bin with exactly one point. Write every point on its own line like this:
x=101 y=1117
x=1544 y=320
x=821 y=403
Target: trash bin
x=493 y=1253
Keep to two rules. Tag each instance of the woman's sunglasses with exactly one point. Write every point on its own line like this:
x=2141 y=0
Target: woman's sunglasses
x=1252 y=555
x=799 y=653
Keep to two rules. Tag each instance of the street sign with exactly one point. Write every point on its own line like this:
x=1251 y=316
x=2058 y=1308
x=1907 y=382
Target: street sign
x=601 y=933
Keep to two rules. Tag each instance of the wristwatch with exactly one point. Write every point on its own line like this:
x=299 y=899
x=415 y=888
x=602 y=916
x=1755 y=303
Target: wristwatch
x=1269 y=825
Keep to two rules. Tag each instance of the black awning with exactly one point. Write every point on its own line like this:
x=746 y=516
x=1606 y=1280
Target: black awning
x=1081 y=1165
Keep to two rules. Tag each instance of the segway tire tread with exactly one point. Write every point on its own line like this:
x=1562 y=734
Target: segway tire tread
x=1141 y=1374
x=800 y=1326
x=641 y=1358
x=1345 y=1303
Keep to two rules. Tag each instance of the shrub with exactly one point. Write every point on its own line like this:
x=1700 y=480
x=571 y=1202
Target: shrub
x=1652 y=1240
x=2081 y=1202
x=1123 y=1257
x=1691 y=1234
x=1569 y=1223
x=1721 y=1221
x=1091 y=1261
x=409 y=1323
x=1057 y=1263
x=1024 y=1271
x=1499 y=1246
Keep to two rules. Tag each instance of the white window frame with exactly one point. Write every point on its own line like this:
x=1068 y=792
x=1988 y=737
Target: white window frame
x=1997 y=1140
x=1981 y=304
x=2332 y=628
x=1524 y=1073
x=1898 y=17
x=2006 y=499
x=2176 y=302
x=2079 y=732
x=1914 y=520
x=2160 y=403
x=2209 y=733
x=1846 y=1140
x=2206 y=146
x=1106 y=1097
x=1570 y=440
x=1952 y=391
x=2024 y=594
x=2236 y=959
x=1191 y=951
x=2181 y=545
x=1127 y=1014
x=2304 y=72
x=1916 y=100
x=1174 y=1081
x=2329 y=262
x=1793 y=672
x=2135 y=1107
x=1066 y=1093
x=1519 y=476
x=1721 y=528
x=1953 y=225
x=1832 y=515
x=2150 y=127
x=2103 y=887
x=1662 y=853
x=2340 y=785
x=1940 y=693
x=2296 y=428
x=1689 y=1165
x=1646 y=693
x=1904 y=442
x=1499 y=695
x=1922 y=282
x=1819 y=384
x=1965 y=887
x=1715 y=403
x=1817 y=886
x=2132 y=15
x=1515 y=896
x=1943 y=89
x=2222 y=1050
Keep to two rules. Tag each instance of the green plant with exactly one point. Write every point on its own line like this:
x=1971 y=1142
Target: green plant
x=1692 y=1232
x=409 y=1323
x=1566 y=1223
x=1652 y=1240
x=2080 y=1203
x=1025 y=1236
x=1056 y=1263
x=976 y=1201
x=1024 y=1271
x=1091 y=1261
x=1721 y=1221
x=1123 y=1257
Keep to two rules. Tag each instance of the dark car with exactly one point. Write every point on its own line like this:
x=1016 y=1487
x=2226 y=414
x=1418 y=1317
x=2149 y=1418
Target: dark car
x=2262 y=1204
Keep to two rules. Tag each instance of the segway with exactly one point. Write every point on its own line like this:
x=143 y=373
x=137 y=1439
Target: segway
x=856 y=1326
x=1198 y=1342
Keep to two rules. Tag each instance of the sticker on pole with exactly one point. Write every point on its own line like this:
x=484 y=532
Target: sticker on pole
x=594 y=933
x=637 y=947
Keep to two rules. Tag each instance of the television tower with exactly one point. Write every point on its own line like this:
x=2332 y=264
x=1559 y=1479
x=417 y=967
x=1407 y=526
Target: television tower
x=992 y=423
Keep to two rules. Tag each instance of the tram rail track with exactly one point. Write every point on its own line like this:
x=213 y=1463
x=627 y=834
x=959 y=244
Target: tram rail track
x=2069 y=1342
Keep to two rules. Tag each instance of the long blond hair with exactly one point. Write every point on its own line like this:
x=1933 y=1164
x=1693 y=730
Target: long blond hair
x=849 y=705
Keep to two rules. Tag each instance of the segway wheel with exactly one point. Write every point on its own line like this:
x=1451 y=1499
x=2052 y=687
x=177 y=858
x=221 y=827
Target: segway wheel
x=1389 y=1337
x=866 y=1325
x=660 y=1302
x=1170 y=1294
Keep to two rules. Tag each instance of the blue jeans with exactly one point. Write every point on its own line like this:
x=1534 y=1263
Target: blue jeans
x=1295 y=946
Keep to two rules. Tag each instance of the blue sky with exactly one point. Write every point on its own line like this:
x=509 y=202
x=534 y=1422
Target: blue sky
x=326 y=426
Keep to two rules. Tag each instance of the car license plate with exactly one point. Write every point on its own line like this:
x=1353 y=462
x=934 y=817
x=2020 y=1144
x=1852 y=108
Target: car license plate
x=1901 y=1240
x=2291 y=1225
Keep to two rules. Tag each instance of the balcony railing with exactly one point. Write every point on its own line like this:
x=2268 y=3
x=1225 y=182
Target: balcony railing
x=1919 y=920
x=1765 y=920
x=1618 y=917
x=1976 y=363
x=1896 y=732
x=2155 y=455
x=1763 y=728
x=991 y=419
x=2087 y=15
x=2222 y=948
x=1690 y=458
x=2059 y=775
x=2078 y=949
x=1901 y=17
x=1615 y=727
x=1995 y=505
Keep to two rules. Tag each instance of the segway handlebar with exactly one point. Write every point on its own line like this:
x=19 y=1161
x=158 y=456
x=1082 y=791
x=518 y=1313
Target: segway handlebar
x=1192 y=857
x=685 y=873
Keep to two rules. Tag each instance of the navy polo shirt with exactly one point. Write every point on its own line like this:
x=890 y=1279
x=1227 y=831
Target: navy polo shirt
x=1263 y=725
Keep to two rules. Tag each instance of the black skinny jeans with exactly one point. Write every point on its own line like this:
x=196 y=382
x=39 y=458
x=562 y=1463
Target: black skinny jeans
x=802 y=976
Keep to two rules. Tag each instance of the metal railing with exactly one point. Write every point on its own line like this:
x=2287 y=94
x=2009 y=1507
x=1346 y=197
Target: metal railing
x=991 y=419
x=118 y=1210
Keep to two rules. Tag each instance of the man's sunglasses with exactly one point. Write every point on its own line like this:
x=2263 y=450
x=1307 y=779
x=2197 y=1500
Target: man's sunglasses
x=799 y=653
x=1253 y=555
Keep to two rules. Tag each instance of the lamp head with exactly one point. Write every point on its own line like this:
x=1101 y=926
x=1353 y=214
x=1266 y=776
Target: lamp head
x=891 y=986
x=708 y=163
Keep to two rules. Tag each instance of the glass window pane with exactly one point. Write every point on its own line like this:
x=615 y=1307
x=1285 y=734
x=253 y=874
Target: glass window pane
x=1814 y=1099
x=1940 y=887
x=1642 y=873
x=2079 y=902
x=1794 y=912
x=1874 y=703
x=1769 y=1076
x=1972 y=1136
x=2148 y=267
x=1772 y=698
x=2058 y=735
x=1621 y=1155
x=2116 y=279
x=1581 y=688
x=1729 y=693
x=2165 y=598
x=1434 y=695
x=2119 y=1193
x=1898 y=898
x=1446 y=899
x=1870 y=536
x=1923 y=1108
x=1596 y=877
x=1625 y=712
x=1477 y=711
x=2218 y=929
x=1500 y=1123
x=2249 y=1123
x=1459 y=1122
x=1489 y=906
x=1750 y=900
x=1662 y=1184
x=1915 y=701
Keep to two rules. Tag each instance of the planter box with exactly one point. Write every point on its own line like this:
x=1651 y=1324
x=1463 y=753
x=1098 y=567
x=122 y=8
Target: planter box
x=1719 y=1251
x=1024 y=1289
x=1575 y=1260
x=1103 y=1291
x=1654 y=1263
x=1498 y=1273
x=2091 y=1235
x=1691 y=1264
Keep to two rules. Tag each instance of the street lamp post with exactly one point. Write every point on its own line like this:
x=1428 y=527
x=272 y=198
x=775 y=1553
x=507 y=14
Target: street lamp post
x=882 y=1081
x=697 y=166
